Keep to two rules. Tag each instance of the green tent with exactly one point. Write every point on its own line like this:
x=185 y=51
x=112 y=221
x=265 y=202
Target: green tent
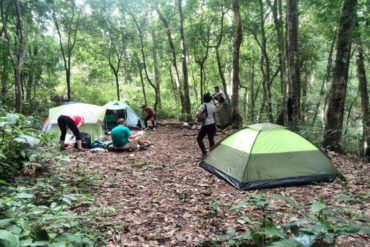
x=268 y=155
x=93 y=116
x=119 y=109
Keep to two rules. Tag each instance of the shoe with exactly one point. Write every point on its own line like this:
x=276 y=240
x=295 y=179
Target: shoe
x=148 y=144
x=153 y=128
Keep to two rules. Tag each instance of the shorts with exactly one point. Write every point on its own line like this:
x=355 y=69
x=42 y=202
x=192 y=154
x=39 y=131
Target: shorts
x=131 y=145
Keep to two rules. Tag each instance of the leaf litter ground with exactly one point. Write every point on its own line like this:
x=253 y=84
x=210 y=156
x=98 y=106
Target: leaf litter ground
x=162 y=197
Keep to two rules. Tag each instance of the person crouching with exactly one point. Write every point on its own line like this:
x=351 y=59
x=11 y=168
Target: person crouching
x=73 y=123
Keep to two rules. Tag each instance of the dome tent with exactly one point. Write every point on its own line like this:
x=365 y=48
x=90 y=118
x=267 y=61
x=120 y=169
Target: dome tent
x=268 y=155
x=119 y=109
x=93 y=116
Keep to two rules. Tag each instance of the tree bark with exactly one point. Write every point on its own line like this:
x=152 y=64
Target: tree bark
x=139 y=29
x=265 y=66
x=324 y=84
x=187 y=109
x=237 y=42
x=174 y=63
x=71 y=42
x=4 y=72
x=276 y=8
x=362 y=88
x=18 y=59
x=157 y=104
x=333 y=131
x=293 y=64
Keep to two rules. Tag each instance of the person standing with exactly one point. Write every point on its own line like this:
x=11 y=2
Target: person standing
x=73 y=123
x=208 y=125
x=150 y=114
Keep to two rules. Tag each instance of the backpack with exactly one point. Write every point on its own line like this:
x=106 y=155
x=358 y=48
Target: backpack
x=202 y=117
x=85 y=140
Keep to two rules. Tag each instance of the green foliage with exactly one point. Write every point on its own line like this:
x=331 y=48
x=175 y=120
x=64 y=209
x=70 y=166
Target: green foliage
x=18 y=144
x=324 y=223
x=37 y=215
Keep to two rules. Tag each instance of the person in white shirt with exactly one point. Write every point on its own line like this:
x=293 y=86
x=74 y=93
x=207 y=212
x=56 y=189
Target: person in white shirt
x=218 y=96
x=209 y=124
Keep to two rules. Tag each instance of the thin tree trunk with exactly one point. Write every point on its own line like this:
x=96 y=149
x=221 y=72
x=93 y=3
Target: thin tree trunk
x=143 y=56
x=143 y=85
x=276 y=8
x=362 y=87
x=333 y=131
x=237 y=42
x=174 y=63
x=71 y=41
x=4 y=73
x=174 y=87
x=187 y=109
x=293 y=63
x=18 y=59
x=157 y=104
x=325 y=81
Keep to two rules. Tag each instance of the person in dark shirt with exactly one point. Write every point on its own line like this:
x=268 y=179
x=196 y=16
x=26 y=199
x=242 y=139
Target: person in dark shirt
x=73 y=123
x=150 y=114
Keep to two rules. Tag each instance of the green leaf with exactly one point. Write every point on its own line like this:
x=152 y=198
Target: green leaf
x=257 y=238
x=25 y=196
x=32 y=141
x=317 y=206
x=58 y=244
x=14 y=229
x=9 y=239
x=26 y=242
x=231 y=232
x=287 y=242
x=287 y=199
x=4 y=222
x=305 y=240
x=274 y=232
x=70 y=237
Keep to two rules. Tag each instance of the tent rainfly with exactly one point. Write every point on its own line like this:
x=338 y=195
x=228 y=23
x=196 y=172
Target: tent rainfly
x=268 y=155
x=93 y=116
x=119 y=109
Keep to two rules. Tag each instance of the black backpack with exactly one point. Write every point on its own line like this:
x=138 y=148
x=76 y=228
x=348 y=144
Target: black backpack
x=85 y=140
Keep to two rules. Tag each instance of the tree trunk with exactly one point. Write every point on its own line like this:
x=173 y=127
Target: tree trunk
x=222 y=76
x=157 y=104
x=293 y=64
x=276 y=8
x=324 y=84
x=174 y=63
x=187 y=109
x=18 y=60
x=143 y=85
x=237 y=42
x=362 y=87
x=4 y=73
x=333 y=131
x=265 y=66
x=71 y=42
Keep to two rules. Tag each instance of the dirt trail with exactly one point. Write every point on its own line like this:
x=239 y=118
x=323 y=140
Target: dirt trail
x=163 y=198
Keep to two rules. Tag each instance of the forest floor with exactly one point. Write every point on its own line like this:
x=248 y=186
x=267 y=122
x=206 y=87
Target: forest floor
x=162 y=197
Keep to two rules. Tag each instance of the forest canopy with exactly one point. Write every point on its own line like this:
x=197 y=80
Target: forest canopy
x=301 y=64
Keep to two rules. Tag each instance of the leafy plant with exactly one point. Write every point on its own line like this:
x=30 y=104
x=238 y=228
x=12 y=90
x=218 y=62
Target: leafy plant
x=323 y=223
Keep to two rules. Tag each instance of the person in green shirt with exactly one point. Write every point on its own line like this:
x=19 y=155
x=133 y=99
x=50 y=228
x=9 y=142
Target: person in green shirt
x=123 y=139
